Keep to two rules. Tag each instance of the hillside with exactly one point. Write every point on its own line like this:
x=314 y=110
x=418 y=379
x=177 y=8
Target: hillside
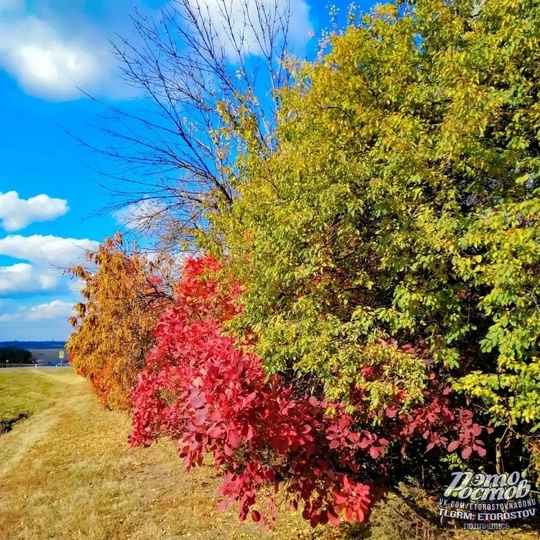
x=45 y=352
x=47 y=356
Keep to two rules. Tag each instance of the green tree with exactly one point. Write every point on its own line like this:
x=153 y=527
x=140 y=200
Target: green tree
x=402 y=203
x=15 y=355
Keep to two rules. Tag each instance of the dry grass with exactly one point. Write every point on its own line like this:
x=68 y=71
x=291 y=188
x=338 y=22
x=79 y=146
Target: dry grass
x=67 y=472
x=27 y=395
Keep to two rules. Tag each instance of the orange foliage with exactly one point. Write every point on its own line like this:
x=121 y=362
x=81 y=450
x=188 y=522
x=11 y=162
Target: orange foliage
x=124 y=295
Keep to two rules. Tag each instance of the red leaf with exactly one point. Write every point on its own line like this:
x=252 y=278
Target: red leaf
x=234 y=439
x=360 y=515
x=215 y=432
x=454 y=445
x=256 y=516
x=248 y=432
x=466 y=452
x=224 y=504
x=200 y=417
x=196 y=400
x=333 y=517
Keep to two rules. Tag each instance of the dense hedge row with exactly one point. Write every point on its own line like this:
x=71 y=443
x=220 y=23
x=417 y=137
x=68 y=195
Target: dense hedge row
x=368 y=308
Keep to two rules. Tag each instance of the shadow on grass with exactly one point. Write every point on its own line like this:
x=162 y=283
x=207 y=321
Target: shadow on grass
x=6 y=425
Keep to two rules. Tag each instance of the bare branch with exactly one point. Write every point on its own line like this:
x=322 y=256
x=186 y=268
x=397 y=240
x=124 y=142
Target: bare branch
x=172 y=145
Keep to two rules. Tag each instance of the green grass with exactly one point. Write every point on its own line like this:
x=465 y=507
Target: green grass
x=24 y=392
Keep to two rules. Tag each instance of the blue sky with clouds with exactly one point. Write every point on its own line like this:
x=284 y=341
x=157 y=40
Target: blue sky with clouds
x=49 y=197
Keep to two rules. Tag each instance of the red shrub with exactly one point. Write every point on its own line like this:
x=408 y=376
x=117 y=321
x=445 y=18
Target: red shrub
x=211 y=397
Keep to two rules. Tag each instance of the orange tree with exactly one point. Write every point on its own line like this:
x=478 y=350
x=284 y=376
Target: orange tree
x=124 y=294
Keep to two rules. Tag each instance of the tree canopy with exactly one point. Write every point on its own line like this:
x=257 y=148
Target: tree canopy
x=15 y=354
x=366 y=311
x=124 y=294
x=402 y=204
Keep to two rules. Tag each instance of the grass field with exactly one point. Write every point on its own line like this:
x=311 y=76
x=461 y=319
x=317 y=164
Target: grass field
x=24 y=393
x=66 y=471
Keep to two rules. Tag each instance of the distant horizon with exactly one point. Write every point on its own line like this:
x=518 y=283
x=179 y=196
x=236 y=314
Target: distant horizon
x=33 y=342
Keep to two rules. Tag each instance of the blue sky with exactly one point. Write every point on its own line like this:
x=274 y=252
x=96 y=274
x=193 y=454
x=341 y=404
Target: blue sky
x=49 y=198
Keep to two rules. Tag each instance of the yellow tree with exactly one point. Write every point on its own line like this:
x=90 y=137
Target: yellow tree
x=402 y=205
x=124 y=294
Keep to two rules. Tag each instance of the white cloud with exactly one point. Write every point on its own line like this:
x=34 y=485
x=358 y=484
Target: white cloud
x=241 y=18
x=53 y=310
x=46 y=256
x=49 y=63
x=23 y=277
x=43 y=250
x=58 y=49
x=17 y=213
x=57 y=309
